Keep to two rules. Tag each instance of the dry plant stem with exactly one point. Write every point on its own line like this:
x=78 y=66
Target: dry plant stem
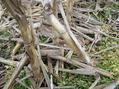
x=51 y=80
x=50 y=67
x=9 y=62
x=16 y=48
x=82 y=34
x=54 y=32
x=83 y=29
x=69 y=54
x=54 y=6
x=80 y=50
x=79 y=64
x=44 y=68
x=69 y=8
x=41 y=82
x=82 y=71
x=14 y=7
x=63 y=32
x=10 y=83
x=41 y=44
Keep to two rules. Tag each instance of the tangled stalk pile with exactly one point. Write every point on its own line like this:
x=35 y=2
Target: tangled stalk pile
x=54 y=36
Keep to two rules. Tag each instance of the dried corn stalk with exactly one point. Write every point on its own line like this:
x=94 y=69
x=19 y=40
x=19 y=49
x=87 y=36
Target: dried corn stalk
x=15 y=8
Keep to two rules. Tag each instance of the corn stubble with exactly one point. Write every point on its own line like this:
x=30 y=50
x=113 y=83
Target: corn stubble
x=43 y=61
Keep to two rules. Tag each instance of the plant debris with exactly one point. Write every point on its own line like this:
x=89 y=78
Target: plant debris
x=46 y=38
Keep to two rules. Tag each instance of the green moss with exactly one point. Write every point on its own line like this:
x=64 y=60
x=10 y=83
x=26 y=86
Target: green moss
x=77 y=81
x=110 y=59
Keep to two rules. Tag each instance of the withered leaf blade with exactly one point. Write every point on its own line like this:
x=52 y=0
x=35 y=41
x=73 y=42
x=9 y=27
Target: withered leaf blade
x=83 y=71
